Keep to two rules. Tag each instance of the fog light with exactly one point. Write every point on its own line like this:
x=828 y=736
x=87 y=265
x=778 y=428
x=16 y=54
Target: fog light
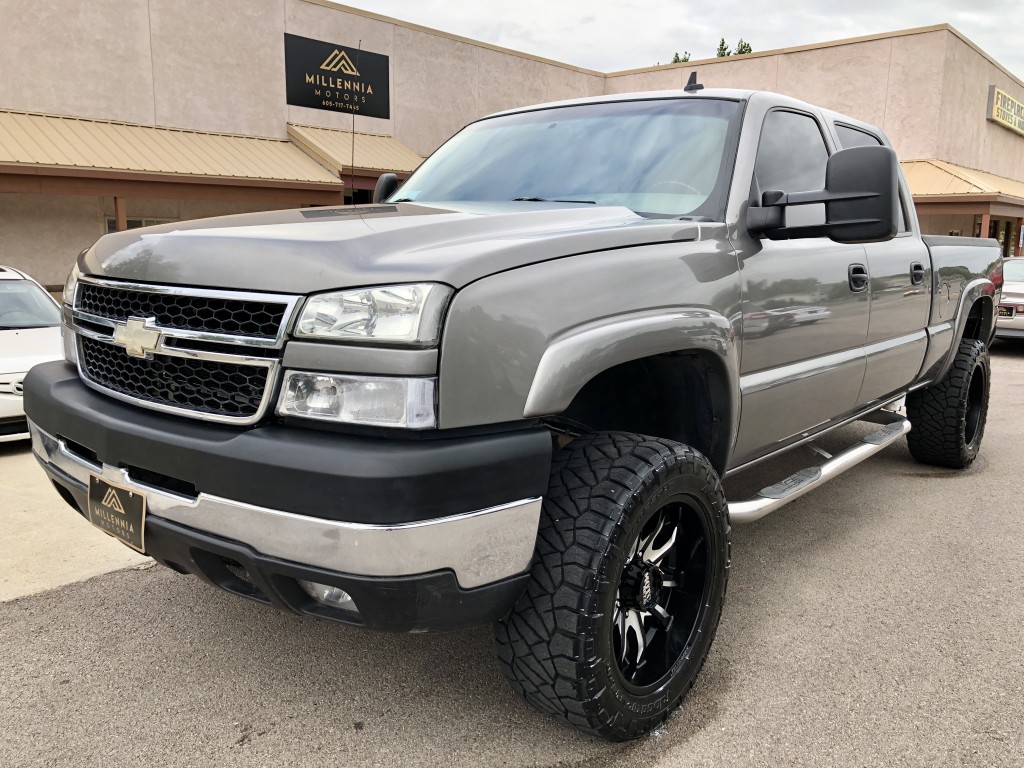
x=328 y=595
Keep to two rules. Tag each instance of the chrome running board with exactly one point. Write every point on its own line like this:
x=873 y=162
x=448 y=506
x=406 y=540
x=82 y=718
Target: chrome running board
x=796 y=485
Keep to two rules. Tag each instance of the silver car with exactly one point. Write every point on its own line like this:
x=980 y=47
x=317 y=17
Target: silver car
x=1010 y=319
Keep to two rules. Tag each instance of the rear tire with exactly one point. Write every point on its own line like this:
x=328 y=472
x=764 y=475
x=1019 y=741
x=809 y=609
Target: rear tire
x=948 y=418
x=627 y=585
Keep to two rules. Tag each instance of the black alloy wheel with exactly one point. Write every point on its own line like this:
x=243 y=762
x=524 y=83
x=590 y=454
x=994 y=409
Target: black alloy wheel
x=662 y=589
x=627 y=584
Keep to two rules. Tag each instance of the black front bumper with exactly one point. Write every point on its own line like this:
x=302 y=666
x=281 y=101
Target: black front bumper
x=316 y=476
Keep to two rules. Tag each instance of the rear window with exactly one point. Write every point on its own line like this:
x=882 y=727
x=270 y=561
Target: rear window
x=853 y=137
x=850 y=137
x=1014 y=271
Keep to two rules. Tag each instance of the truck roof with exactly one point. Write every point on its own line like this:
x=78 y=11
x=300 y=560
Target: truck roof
x=738 y=94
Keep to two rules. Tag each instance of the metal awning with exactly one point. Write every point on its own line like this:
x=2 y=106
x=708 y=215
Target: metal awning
x=374 y=153
x=938 y=181
x=34 y=147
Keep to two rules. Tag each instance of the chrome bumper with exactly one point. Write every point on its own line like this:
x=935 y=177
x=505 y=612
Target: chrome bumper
x=480 y=547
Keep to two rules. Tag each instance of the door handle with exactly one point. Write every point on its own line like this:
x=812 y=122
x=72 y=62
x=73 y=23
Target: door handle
x=858 y=274
x=916 y=273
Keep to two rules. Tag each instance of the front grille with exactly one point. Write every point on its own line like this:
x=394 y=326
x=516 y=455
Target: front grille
x=203 y=386
x=237 y=317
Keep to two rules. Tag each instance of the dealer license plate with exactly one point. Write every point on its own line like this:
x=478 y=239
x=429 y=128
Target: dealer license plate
x=118 y=511
x=1006 y=311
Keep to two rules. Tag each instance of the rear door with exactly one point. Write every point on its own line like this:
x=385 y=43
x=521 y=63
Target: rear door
x=803 y=327
x=901 y=281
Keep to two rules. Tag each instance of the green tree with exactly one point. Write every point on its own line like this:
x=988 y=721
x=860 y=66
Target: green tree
x=677 y=59
x=742 y=47
x=723 y=49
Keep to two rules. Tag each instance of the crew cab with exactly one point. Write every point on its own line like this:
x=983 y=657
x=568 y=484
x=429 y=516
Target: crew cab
x=507 y=391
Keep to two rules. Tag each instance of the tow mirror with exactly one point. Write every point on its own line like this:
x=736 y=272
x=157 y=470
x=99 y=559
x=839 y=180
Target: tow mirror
x=386 y=185
x=861 y=198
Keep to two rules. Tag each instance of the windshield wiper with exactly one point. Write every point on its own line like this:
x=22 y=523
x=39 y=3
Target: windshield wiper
x=549 y=200
x=402 y=200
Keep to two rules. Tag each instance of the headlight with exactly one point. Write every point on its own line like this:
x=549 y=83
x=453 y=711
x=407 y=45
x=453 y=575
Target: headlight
x=397 y=314
x=369 y=400
x=69 y=286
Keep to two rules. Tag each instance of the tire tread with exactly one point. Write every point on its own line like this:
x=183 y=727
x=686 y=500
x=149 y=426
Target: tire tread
x=937 y=413
x=543 y=644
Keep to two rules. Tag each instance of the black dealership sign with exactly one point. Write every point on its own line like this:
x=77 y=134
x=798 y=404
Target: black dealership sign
x=337 y=78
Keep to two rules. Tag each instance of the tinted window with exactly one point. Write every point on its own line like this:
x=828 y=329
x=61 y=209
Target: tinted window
x=792 y=155
x=851 y=137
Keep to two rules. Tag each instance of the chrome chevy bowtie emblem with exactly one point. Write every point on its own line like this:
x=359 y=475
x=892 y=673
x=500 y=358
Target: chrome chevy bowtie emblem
x=18 y=387
x=137 y=339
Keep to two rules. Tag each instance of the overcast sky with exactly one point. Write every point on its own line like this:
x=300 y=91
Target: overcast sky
x=626 y=34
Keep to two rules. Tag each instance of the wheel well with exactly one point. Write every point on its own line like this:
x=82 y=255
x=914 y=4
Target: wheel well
x=979 y=320
x=678 y=396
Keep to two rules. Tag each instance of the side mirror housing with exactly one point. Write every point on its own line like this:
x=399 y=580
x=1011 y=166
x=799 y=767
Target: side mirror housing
x=861 y=198
x=386 y=185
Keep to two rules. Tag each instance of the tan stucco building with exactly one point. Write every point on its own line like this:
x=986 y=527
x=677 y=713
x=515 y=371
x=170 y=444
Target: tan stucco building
x=119 y=113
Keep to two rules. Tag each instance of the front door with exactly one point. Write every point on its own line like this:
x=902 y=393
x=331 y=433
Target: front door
x=804 y=325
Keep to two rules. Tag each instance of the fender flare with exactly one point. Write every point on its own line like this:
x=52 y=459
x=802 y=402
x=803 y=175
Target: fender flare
x=979 y=288
x=579 y=354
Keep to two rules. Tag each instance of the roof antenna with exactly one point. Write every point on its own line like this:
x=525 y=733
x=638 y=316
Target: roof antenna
x=692 y=86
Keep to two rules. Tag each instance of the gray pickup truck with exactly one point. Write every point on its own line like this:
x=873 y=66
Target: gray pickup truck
x=507 y=390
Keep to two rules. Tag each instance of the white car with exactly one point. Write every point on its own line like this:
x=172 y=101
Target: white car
x=1010 y=320
x=29 y=334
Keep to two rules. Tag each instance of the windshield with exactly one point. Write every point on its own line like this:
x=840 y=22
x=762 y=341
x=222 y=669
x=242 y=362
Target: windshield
x=23 y=304
x=1013 y=271
x=663 y=157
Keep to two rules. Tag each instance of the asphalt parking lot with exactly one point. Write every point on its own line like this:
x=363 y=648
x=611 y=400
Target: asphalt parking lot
x=876 y=621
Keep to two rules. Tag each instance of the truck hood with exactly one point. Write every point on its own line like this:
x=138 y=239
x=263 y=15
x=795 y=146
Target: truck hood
x=22 y=348
x=319 y=249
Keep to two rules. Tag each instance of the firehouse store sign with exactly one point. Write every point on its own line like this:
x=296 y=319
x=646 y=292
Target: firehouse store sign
x=335 y=77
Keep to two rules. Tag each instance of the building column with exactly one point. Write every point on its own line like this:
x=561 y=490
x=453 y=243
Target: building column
x=121 y=213
x=986 y=224
x=1016 y=237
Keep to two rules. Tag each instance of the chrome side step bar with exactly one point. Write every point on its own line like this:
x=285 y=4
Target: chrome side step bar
x=796 y=485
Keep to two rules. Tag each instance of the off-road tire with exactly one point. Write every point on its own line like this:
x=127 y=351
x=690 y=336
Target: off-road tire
x=556 y=646
x=948 y=418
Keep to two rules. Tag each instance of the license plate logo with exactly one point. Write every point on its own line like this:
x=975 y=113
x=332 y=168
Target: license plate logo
x=118 y=511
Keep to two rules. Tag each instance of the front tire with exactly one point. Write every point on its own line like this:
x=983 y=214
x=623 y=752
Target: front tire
x=627 y=585
x=948 y=418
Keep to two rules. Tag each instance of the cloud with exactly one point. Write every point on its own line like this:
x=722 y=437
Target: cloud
x=631 y=33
